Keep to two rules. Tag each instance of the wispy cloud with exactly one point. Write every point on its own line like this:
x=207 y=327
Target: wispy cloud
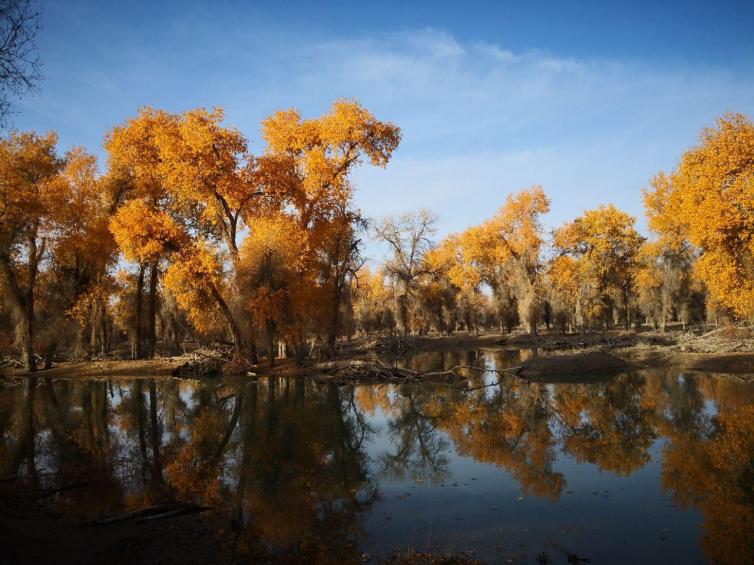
x=478 y=119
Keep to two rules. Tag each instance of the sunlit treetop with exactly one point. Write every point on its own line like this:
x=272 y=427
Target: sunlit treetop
x=29 y=166
x=146 y=234
x=308 y=161
x=604 y=234
x=133 y=154
x=202 y=163
x=517 y=225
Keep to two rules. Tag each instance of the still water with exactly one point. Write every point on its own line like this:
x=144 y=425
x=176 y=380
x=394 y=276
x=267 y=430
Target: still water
x=642 y=467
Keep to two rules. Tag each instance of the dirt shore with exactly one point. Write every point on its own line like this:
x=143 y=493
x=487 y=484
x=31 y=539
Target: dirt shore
x=114 y=368
x=633 y=349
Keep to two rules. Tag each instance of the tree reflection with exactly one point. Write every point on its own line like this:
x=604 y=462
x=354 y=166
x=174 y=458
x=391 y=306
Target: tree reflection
x=289 y=456
x=284 y=465
x=420 y=450
x=508 y=425
x=710 y=465
x=607 y=423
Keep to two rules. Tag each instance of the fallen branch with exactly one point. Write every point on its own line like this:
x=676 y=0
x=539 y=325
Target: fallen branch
x=53 y=491
x=501 y=372
x=153 y=512
x=570 y=557
x=357 y=370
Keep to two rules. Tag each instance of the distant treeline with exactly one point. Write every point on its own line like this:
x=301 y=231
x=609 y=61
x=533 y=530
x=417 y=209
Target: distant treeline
x=188 y=236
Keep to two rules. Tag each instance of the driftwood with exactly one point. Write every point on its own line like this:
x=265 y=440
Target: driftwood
x=344 y=371
x=153 y=513
x=53 y=491
x=721 y=340
x=390 y=344
x=202 y=363
x=10 y=362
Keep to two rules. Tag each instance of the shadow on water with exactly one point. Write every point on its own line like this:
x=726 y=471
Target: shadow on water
x=649 y=467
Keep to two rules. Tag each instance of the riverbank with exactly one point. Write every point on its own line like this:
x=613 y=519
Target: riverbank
x=550 y=354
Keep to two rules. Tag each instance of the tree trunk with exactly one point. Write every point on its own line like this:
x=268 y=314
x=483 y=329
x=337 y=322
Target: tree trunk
x=270 y=331
x=93 y=329
x=334 y=328
x=299 y=352
x=103 y=332
x=22 y=300
x=50 y=354
x=403 y=314
x=152 y=331
x=242 y=351
x=136 y=345
x=27 y=336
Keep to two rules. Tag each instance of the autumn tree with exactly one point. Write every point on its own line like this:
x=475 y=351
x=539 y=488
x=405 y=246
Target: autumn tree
x=193 y=177
x=664 y=279
x=55 y=248
x=192 y=172
x=437 y=292
x=272 y=257
x=451 y=258
x=710 y=202
x=506 y=250
x=602 y=246
x=135 y=184
x=373 y=298
x=82 y=256
x=409 y=238
x=572 y=292
x=146 y=235
x=29 y=204
x=307 y=166
x=339 y=260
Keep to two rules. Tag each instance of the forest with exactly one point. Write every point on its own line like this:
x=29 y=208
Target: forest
x=183 y=236
x=226 y=338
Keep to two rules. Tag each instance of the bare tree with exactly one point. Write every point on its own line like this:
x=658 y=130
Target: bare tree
x=20 y=22
x=409 y=238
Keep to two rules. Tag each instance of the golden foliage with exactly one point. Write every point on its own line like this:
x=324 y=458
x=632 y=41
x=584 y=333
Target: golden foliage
x=713 y=194
x=146 y=234
x=195 y=277
x=602 y=247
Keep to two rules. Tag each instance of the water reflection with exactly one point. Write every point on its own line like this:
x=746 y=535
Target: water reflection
x=318 y=473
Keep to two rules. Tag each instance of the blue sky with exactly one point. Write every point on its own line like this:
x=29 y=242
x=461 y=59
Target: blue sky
x=588 y=99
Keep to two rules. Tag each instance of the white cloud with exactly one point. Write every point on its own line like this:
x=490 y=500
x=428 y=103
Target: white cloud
x=478 y=119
